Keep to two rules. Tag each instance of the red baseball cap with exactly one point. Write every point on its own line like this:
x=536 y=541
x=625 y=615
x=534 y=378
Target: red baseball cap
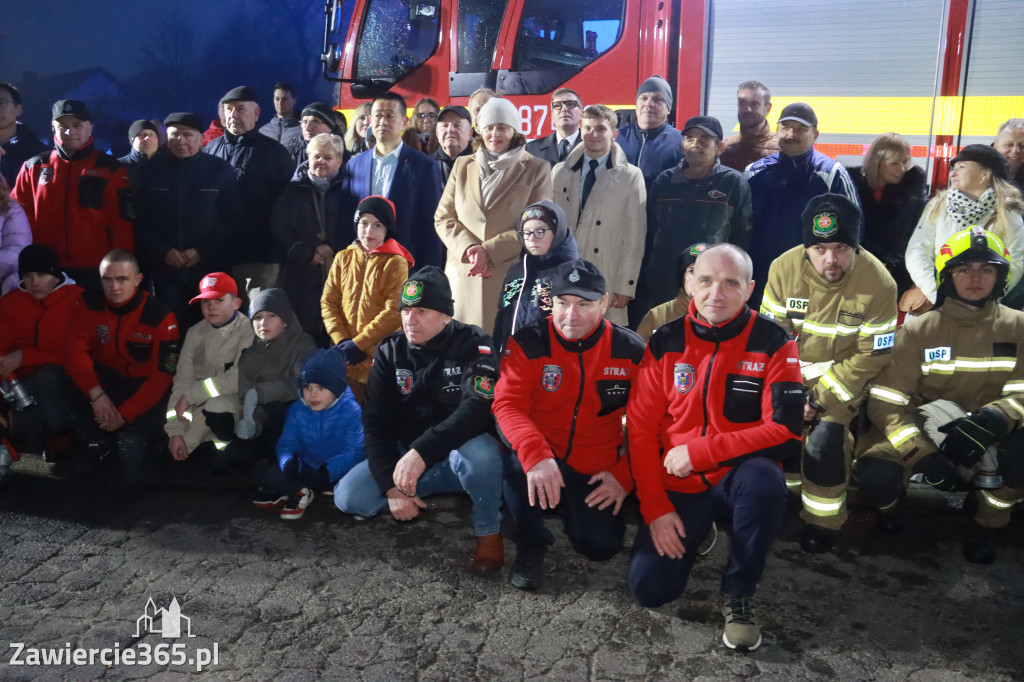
x=215 y=285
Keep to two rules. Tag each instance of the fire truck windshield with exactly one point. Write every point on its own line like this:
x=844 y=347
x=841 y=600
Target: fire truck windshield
x=397 y=36
x=555 y=34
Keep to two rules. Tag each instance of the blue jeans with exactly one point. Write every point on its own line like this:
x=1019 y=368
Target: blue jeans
x=754 y=494
x=475 y=468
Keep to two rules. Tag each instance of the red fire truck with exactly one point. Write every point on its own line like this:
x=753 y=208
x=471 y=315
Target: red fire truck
x=944 y=73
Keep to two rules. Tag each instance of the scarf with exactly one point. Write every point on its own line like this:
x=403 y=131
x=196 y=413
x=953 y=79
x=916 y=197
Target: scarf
x=493 y=167
x=966 y=212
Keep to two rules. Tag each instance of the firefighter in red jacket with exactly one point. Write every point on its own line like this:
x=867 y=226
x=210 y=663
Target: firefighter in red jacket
x=559 y=404
x=124 y=351
x=717 y=404
x=78 y=200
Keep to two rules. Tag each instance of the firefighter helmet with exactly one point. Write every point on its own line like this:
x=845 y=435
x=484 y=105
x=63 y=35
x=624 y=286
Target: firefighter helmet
x=975 y=244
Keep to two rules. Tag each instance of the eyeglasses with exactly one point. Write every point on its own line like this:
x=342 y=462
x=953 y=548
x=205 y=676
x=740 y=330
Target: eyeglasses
x=427 y=115
x=568 y=104
x=535 y=234
x=6 y=102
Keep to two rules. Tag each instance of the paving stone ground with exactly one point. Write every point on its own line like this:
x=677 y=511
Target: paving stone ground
x=332 y=598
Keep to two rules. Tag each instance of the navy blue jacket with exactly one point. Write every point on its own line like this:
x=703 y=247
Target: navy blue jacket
x=780 y=187
x=263 y=168
x=653 y=151
x=415 y=192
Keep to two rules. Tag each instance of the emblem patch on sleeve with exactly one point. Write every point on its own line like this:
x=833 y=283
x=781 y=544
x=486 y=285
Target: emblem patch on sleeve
x=404 y=379
x=484 y=387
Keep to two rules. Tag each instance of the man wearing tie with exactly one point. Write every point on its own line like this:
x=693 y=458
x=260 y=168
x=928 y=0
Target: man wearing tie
x=605 y=201
x=566 y=109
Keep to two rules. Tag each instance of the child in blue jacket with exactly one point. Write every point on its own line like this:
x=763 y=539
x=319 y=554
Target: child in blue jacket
x=321 y=441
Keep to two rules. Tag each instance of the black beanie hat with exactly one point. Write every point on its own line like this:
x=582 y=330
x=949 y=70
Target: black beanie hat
x=327 y=368
x=138 y=127
x=39 y=258
x=243 y=93
x=322 y=111
x=382 y=209
x=831 y=218
x=428 y=288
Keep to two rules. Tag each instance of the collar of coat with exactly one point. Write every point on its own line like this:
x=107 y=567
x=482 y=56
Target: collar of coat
x=577 y=157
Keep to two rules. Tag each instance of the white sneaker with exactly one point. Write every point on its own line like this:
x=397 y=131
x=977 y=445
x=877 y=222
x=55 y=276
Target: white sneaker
x=295 y=509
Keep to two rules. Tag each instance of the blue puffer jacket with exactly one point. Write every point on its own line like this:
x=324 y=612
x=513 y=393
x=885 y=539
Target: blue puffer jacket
x=653 y=151
x=780 y=187
x=333 y=436
x=519 y=307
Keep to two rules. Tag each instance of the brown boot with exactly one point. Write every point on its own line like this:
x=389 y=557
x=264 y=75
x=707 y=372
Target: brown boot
x=489 y=554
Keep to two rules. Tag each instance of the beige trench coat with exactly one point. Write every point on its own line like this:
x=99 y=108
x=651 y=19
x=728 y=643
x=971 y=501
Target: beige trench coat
x=462 y=220
x=611 y=231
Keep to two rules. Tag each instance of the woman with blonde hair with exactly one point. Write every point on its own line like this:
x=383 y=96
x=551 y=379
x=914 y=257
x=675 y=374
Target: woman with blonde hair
x=355 y=136
x=892 y=192
x=478 y=216
x=979 y=194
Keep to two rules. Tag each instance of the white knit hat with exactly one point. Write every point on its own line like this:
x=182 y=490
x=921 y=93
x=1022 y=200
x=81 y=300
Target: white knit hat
x=499 y=110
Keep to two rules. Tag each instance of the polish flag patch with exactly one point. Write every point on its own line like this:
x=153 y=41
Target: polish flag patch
x=486 y=350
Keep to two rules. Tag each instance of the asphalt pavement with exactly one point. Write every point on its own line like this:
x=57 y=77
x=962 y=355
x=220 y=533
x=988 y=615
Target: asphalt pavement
x=329 y=597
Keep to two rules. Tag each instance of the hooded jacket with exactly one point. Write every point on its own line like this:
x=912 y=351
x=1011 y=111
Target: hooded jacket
x=80 y=204
x=360 y=298
x=15 y=234
x=272 y=367
x=333 y=436
x=39 y=329
x=611 y=229
x=526 y=293
x=303 y=219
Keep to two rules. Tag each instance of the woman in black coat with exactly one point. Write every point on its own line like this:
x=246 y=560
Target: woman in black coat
x=310 y=223
x=892 y=193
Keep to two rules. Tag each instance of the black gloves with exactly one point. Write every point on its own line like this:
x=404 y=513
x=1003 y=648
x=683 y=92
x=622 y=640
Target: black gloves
x=940 y=473
x=348 y=348
x=967 y=438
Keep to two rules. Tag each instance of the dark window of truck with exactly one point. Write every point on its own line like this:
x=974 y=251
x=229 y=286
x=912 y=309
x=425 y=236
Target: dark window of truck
x=397 y=36
x=565 y=34
x=479 y=24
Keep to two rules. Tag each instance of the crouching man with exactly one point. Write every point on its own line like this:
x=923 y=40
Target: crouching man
x=426 y=419
x=564 y=385
x=951 y=404
x=717 y=404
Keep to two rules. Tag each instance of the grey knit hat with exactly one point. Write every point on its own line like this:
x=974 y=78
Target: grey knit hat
x=499 y=110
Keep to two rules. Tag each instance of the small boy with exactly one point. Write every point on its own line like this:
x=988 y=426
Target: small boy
x=267 y=372
x=204 y=400
x=322 y=438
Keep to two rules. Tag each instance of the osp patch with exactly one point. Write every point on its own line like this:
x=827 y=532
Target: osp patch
x=825 y=225
x=683 y=377
x=552 y=378
x=412 y=292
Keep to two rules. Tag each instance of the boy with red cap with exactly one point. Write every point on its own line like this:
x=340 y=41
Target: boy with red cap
x=204 y=400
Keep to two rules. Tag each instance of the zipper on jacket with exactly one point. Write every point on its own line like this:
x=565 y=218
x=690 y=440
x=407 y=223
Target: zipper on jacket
x=579 y=399
x=643 y=143
x=519 y=298
x=707 y=383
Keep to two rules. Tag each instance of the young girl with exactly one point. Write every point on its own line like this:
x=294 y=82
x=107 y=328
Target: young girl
x=360 y=300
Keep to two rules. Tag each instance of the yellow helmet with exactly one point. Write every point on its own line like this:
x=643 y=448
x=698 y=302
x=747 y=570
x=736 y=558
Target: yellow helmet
x=970 y=246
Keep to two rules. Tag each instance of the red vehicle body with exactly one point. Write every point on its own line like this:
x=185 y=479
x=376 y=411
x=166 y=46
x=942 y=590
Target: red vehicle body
x=907 y=66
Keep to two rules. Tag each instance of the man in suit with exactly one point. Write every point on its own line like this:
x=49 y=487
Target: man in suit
x=566 y=113
x=408 y=178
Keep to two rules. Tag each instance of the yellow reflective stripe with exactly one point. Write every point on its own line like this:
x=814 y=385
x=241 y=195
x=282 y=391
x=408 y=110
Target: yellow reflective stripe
x=829 y=379
x=822 y=506
x=793 y=483
x=172 y=415
x=868 y=330
x=1013 y=386
x=1017 y=406
x=889 y=395
x=897 y=438
x=994 y=501
x=830 y=331
x=968 y=365
x=772 y=306
x=220 y=445
x=211 y=388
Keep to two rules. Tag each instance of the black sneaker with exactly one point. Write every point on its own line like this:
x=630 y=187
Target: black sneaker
x=528 y=567
x=268 y=499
